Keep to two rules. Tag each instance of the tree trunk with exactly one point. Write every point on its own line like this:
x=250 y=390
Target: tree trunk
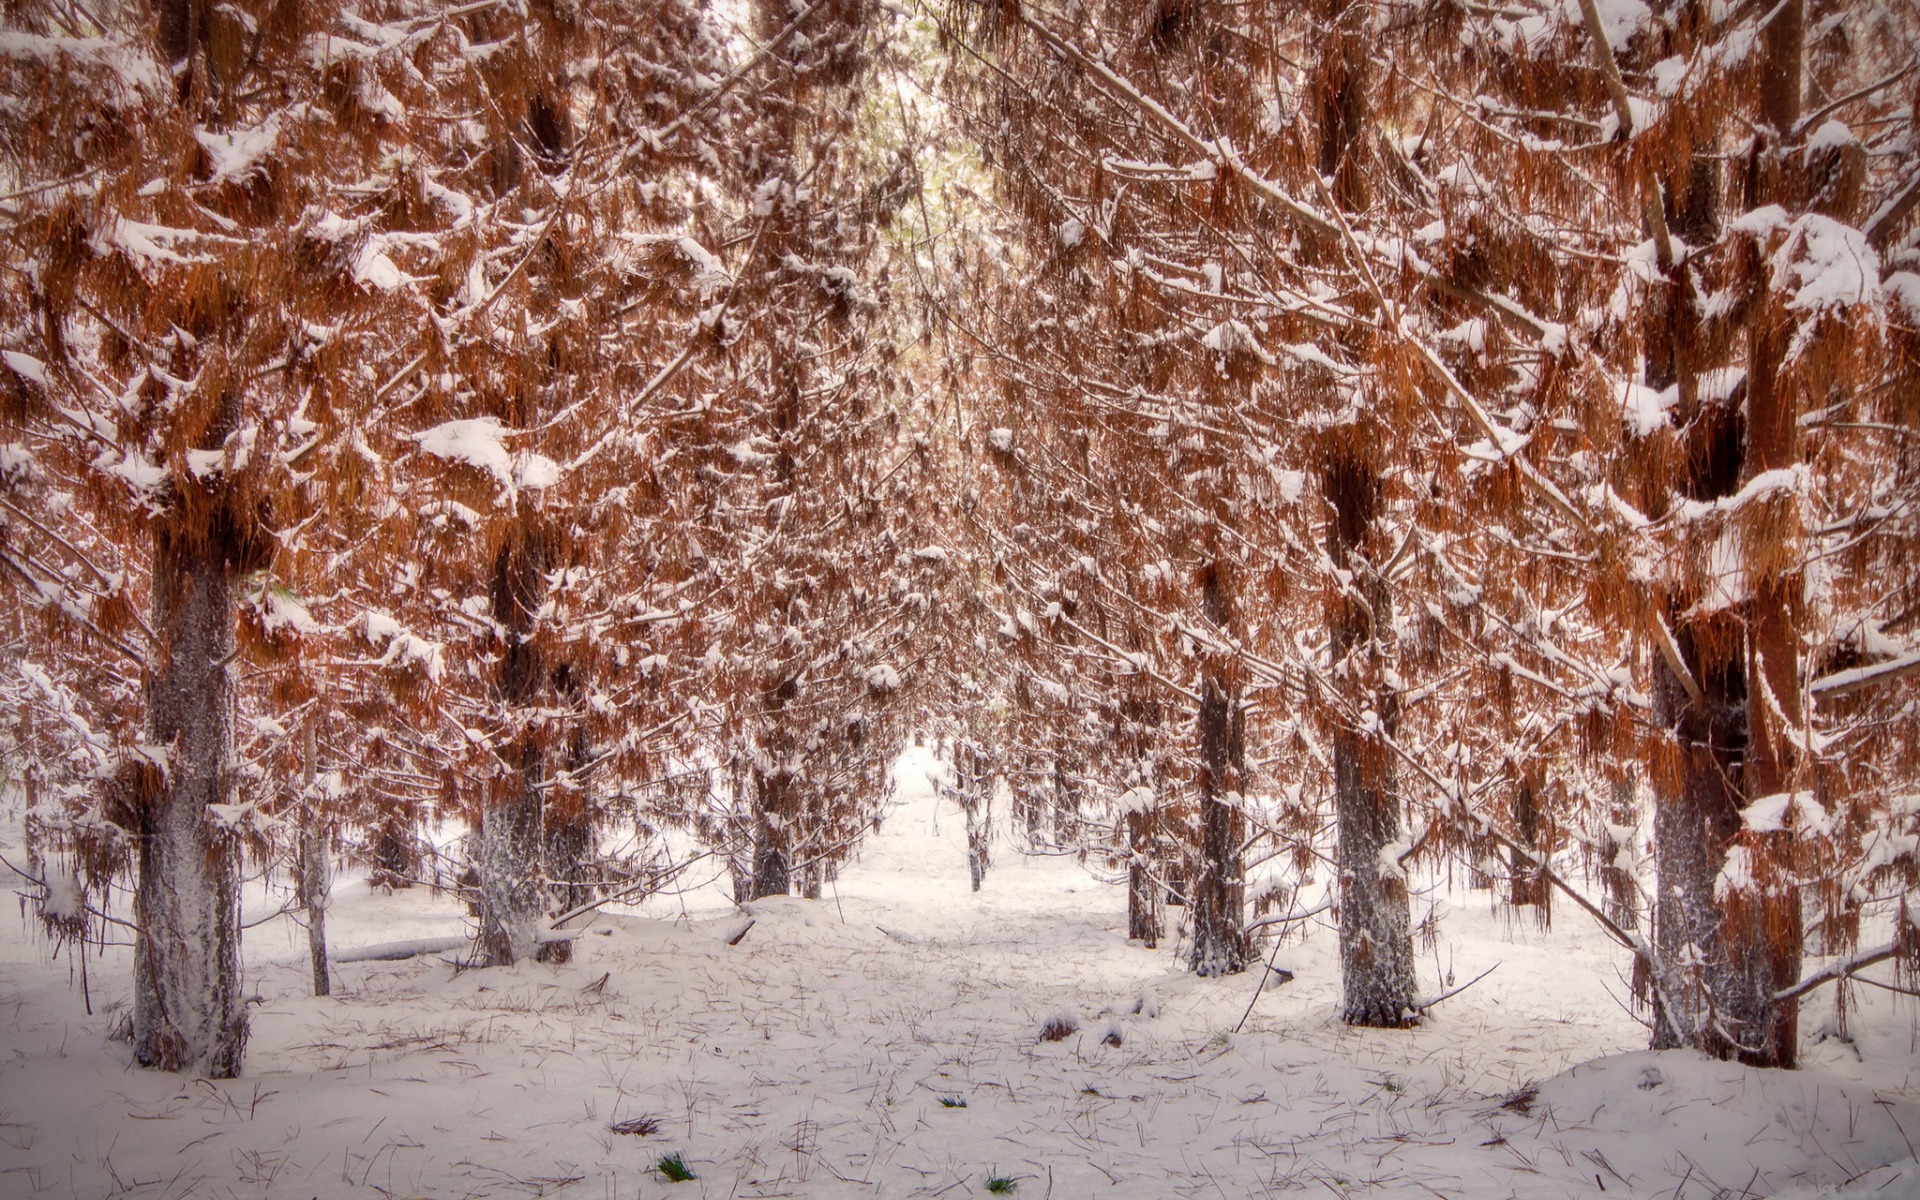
x=1695 y=819
x=394 y=862
x=1742 y=927
x=1528 y=886
x=1763 y=918
x=567 y=843
x=1622 y=889
x=188 y=1013
x=975 y=797
x=1376 y=944
x=1217 y=895
x=1143 y=894
x=739 y=836
x=512 y=903
x=1376 y=939
x=316 y=875
x=772 y=821
x=1066 y=798
x=512 y=900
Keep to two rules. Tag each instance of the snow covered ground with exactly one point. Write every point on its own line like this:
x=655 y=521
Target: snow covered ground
x=884 y=1042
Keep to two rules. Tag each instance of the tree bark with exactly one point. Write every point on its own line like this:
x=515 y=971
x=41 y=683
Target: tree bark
x=188 y=1013
x=1376 y=944
x=1217 y=897
x=1528 y=887
x=1764 y=917
x=512 y=897
x=316 y=875
x=1695 y=819
x=1066 y=797
x=975 y=797
x=1376 y=939
x=1143 y=894
x=1622 y=889
x=772 y=828
x=394 y=861
x=567 y=844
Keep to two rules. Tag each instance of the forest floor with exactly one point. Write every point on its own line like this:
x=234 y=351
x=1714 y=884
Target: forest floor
x=884 y=1042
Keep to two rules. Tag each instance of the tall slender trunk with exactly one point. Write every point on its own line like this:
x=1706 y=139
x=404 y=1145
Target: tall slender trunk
x=1066 y=797
x=316 y=874
x=1376 y=943
x=512 y=915
x=975 y=797
x=395 y=864
x=772 y=833
x=31 y=822
x=567 y=842
x=512 y=895
x=1764 y=919
x=1143 y=893
x=1376 y=937
x=1528 y=887
x=188 y=1013
x=1621 y=888
x=1217 y=897
x=1743 y=931
x=740 y=829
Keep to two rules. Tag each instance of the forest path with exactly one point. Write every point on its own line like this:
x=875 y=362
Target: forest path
x=883 y=1042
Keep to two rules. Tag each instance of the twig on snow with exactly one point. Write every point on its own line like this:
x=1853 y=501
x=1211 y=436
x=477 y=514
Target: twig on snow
x=1450 y=993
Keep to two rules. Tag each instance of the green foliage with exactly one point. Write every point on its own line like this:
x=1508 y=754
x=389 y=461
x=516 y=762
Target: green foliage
x=1000 y=1185
x=953 y=1102
x=675 y=1168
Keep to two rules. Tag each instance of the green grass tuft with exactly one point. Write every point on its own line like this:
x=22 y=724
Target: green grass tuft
x=675 y=1168
x=952 y=1102
x=1000 y=1185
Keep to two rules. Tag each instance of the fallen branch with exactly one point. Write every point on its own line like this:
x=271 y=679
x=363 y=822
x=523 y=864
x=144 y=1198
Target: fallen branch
x=396 y=951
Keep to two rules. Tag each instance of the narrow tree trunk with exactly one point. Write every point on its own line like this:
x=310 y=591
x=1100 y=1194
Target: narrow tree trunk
x=1143 y=894
x=1376 y=939
x=1621 y=888
x=567 y=843
x=188 y=1013
x=1217 y=896
x=394 y=862
x=739 y=830
x=772 y=827
x=1697 y=792
x=1527 y=887
x=975 y=797
x=1066 y=799
x=1764 y=928
x=30 y=825
x=512 y=899
x=1376 y=944
x=316 y=875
